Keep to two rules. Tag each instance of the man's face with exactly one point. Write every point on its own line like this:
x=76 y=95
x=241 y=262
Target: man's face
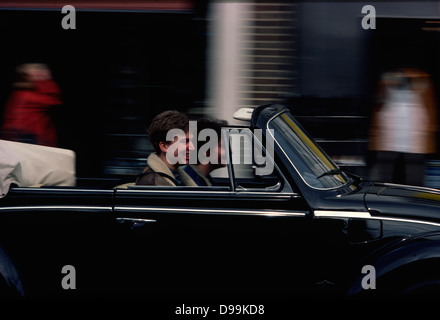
x=178 y=151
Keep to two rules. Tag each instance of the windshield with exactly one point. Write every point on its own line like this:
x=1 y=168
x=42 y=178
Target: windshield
x=312 y=164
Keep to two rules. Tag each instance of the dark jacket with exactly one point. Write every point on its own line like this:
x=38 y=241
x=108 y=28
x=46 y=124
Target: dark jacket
x=199 y=178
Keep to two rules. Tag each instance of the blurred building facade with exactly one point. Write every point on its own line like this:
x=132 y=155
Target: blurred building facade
x=253 y=55
x=316 y=57
x=125 y=62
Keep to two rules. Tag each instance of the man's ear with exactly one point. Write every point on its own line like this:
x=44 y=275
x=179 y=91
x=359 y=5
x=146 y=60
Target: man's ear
x=163 y=146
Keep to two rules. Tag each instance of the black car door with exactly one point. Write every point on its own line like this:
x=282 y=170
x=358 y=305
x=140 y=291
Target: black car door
x=253 y=234
x=197 y=243
x=243 y=237
x=48 y=230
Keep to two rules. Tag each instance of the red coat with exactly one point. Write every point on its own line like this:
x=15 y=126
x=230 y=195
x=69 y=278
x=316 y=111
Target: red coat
x=27 y=112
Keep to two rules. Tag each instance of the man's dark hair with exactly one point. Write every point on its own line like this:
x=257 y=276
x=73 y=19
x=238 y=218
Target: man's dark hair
x=164 y=122
x=210 y=123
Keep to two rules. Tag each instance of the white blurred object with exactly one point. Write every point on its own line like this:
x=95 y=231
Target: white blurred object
x=228 y=56
x=30 y=165
x=244 y=114
x=405 y=121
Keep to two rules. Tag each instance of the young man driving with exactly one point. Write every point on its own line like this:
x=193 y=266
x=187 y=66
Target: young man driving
x=172 y=141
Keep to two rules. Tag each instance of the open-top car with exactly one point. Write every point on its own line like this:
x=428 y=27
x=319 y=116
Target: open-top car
x=282 y=220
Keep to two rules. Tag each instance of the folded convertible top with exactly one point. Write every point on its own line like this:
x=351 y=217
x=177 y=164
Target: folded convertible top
x=30 y=165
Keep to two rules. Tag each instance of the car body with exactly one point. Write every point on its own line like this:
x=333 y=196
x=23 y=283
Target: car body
x=304 y=228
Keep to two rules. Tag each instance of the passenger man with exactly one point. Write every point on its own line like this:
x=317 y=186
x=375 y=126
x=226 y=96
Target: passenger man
x=163 y=165
x=208 y=158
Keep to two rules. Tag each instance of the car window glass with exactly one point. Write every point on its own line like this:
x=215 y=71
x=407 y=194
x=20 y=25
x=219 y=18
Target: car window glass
x=253 y=167
x=311 y=163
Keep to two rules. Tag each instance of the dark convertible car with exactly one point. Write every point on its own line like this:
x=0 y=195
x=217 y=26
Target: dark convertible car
x=283 y=220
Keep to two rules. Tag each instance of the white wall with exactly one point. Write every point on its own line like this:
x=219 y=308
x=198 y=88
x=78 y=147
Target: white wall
x=225 y=53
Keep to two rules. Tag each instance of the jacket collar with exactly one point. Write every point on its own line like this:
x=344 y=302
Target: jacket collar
x=156 y=164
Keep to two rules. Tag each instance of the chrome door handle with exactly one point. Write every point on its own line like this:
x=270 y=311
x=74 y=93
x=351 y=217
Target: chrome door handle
x=135 y=222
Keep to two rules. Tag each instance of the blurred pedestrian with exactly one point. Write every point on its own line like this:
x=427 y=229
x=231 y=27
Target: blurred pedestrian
x=403 y=127
x=27 y=116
